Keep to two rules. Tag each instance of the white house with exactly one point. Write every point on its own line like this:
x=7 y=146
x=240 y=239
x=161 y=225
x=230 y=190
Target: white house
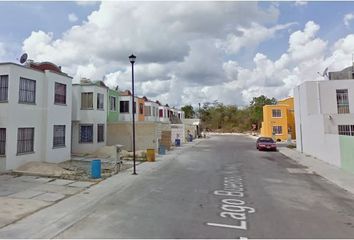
x=35 y=114
x=151 y=110
x=324 y=117
x=89 y=116
x=164 y=113
x=125 y=107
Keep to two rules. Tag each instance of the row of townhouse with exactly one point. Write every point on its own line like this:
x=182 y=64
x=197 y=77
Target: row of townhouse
x=46 y=118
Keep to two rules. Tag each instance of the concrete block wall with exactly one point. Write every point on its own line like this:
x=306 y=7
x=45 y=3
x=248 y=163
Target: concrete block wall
x=146 y=135
x=178 y=130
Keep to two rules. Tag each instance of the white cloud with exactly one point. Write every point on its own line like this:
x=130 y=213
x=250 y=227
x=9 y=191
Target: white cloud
x=72 y=17
x=304 y=45
x=250 y=36
x=348 y=18
x=180 y=49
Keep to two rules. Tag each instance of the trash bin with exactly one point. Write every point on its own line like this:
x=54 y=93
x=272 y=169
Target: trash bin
x=162 y=150
x=96 y=168
x=150 y=155
x=178 y=142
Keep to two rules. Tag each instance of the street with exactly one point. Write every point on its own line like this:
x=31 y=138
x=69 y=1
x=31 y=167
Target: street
x=223 y=188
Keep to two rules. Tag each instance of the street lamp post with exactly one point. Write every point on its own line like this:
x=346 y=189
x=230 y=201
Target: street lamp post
x=132 y=61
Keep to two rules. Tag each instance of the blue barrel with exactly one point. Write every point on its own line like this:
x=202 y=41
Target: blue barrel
x=178 y=142
x=162 y=150
x=96 y=168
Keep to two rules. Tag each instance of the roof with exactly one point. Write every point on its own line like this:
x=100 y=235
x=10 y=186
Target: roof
x=284 y=99
x=40 y=67
x=88 y=82
x=125 y=93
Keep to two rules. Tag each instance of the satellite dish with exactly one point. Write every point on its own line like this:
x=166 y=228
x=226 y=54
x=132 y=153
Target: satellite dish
x=23 y=58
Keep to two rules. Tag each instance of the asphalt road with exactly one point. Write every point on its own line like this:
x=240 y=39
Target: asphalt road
x=223 y=188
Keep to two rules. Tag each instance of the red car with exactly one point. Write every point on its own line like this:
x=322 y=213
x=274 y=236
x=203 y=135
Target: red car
x=266 y=143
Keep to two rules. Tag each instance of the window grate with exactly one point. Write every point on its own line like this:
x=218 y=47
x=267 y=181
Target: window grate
x=100 y=132
x=27 y=91
x=276 y=113
x=342 y=101
x=4 y=84
x=100 y=101
x=86 y=133
x=277 y=130
x=60 y=93
x=25 y=140
x=2 y=141
x=346 y=130
x=59 y=136
x=112 y=106
x=87 y=100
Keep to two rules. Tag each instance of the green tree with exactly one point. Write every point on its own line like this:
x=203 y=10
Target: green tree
x=230 y=118
x=188 y=111
x=256 y=108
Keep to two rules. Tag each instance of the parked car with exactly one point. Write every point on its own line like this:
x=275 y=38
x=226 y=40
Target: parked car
x=266 y=143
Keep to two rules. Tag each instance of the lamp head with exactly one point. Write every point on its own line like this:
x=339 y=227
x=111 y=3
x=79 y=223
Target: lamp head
x=132 y=58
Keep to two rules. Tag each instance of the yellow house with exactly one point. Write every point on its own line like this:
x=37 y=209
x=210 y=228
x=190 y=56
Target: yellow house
x=279 y=120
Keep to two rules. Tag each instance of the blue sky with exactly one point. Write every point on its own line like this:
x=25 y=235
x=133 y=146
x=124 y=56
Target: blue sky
x=329 y=15
x=19 y=19
x=188 y=52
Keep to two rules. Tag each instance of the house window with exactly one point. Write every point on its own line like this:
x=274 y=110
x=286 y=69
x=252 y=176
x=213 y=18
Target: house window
x=277 y=130
x=124 y=106
x=2 y=141
x=27 y=91
x=347 y=130
x=4 y=81
x=60 y=93
x=147 y=111
x=100 y=132
x=160 y=113
x=86 y=133
x=86 y=100
x=141 y=108
x=59 y=136
x=154 y=111
x=342 y=101
x=100 y=101
x=113 y=103
x=276 y=113
x=25 y=140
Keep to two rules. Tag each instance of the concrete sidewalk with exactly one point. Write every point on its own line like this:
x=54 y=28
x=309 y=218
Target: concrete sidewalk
x=332 y=173
x=51 y=221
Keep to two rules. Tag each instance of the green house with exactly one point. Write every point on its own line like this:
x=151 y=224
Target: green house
x=113 y=108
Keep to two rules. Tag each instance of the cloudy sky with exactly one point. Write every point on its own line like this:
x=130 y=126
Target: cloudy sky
x=187 y=52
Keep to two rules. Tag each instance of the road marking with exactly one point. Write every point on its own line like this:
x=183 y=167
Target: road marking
x=232 y=207
x=242 y=226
